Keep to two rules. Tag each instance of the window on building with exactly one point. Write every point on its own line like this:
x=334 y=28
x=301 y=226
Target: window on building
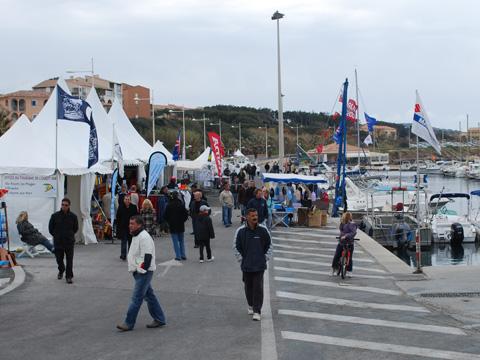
x=14 y=104
x=34 y=102
x=21 y=105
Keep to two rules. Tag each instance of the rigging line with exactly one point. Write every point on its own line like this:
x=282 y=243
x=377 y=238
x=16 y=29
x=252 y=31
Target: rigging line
x=361 y=100
x=336 y=100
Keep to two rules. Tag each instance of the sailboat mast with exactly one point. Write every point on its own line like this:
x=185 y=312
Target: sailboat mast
x=358 y=118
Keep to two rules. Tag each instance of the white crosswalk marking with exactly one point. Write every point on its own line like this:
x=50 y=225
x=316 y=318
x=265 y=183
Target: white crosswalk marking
x=336 y=285
x=351 y=303
x=373 y=322
x=324 y=233
x=328 y=273
x=376 y=346
x=319 y=255
x=304 y=241
x=329 y=264
x=323 y=248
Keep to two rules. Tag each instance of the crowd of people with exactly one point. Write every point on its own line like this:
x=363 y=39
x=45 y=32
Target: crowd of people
x=138 y=223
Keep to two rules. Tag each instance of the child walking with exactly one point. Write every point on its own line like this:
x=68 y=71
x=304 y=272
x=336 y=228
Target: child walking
x=204 y=232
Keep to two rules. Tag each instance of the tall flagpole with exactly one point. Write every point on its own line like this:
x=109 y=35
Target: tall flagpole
x=358 y=119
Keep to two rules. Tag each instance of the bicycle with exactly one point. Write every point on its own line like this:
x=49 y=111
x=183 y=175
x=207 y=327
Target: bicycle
x=345 y=259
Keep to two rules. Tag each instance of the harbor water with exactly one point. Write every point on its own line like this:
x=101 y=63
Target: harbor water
x=443 y=254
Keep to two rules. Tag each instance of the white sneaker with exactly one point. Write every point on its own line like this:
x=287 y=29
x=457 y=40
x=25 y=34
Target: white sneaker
x=256 y=317
x=211 y=259
x=250 y=311
x=201 y=261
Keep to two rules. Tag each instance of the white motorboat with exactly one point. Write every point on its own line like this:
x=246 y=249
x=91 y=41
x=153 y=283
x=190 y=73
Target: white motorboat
x=430 y=168
x=443 y=217
x=473 y=171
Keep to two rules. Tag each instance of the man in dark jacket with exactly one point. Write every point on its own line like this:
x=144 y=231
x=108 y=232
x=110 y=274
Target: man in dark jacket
x=235 y=188
x=204 y=232
x=250 y=193
x=124 y=214
x=260 y=204
x=176 y=215
x=252 y=249
x=62 y=226
x=197 y=201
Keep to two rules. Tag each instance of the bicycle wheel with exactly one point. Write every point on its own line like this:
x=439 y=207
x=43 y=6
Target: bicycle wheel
x=343 y=265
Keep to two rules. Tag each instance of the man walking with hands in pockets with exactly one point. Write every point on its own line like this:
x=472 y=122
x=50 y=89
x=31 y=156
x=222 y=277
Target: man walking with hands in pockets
x=252 y=248
x=141 y=262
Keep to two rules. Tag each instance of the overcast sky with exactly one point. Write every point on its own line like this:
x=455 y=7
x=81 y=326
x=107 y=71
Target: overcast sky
x=209 y=52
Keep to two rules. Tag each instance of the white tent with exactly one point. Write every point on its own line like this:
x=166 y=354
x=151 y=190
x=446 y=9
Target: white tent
x=104 y=127
x=238 y=153
x=135 y=149
x=196 y=164
x=160 y=147
x=39 y=157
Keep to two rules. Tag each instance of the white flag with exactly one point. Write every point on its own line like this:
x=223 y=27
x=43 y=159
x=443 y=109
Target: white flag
x=117 y=153
x=421 y=126
x=368 y=140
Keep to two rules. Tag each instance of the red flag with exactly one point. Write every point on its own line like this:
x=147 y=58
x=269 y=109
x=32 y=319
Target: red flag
x=351 y=110
x=319 y=149
x=217 y=149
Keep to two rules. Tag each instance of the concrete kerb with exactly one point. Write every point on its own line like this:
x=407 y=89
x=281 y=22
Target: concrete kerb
x=18 y=279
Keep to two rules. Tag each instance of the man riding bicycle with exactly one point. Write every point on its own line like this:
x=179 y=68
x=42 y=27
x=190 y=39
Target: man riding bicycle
x=348 y=230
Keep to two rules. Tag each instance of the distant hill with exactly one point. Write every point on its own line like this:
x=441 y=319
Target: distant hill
x=313 y=129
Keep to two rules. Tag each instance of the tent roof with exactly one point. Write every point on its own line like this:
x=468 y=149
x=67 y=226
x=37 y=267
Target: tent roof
x=63 y=147
x=160 y=147
x=238 y=153
x=104 y=127
x=135 y=149
x=196 y=164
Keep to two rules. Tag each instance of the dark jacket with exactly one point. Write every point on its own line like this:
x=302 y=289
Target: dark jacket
x=176 y=215
x=204 y=229
x=242 y=196
x=249 y=194
x=195 y=207
x=261 y=206
x=63 y=226
x=253 y=246
x=349 y=231
x=123 y=219
x=162 y=206
x=235 y=187
x=29 y=234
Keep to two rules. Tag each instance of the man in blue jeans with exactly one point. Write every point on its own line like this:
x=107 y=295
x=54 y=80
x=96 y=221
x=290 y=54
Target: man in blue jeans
x=141 y=262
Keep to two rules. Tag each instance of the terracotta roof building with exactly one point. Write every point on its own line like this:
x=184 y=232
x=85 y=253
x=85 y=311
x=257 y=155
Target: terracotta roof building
x=28 y=102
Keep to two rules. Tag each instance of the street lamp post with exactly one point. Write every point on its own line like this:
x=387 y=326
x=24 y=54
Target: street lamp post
x=296 y=127
x=219 y=128
x=184 y=152
x=137 y=99
x=266 y=140
x=239 y=135
x=204 y=119
x=281 y=151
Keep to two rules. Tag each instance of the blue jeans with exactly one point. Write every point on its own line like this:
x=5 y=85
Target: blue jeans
x=235 y=201
x=48 y=244
x=178 y=245
x=143 y=291
x=227 y=215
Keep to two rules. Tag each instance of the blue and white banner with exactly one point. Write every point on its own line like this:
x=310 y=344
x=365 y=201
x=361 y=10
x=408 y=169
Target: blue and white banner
x=371 y=122
x=421 y=126
x=74 y=109
x=176 y=148
x=156 y=163
x=113 y=187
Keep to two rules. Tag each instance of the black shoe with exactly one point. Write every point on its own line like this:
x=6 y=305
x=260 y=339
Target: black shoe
x=196 y=247
x=177 y=259
x=60 y=276
x=123 y=258
x=155 y=324
x=69 y=281
x=184 y=258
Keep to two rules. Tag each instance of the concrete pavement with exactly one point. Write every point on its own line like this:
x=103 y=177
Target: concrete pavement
x=314 y=315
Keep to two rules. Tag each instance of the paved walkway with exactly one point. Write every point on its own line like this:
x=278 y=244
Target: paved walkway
x=313 y=315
